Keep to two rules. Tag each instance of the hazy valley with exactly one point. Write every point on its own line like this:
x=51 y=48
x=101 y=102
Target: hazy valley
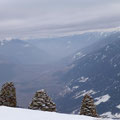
x=66 y=68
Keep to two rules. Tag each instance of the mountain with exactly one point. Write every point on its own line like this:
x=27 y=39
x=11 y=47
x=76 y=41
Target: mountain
x=95 y=71
x=7 y=113
x=46 y=50
x=21 y=52
x=62 y=47
x=37 y=64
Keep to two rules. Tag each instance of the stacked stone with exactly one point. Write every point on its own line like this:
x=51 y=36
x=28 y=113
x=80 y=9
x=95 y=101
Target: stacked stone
x=8 y=95
x=42 y=101
x=88 y=108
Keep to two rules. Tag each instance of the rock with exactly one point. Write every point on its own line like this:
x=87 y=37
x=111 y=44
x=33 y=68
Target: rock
x=88 y=108
x=8 y=95
x=42 y=101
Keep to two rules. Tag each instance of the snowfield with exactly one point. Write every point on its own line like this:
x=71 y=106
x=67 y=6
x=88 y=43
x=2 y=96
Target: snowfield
x=102 y=99
x=7 y=113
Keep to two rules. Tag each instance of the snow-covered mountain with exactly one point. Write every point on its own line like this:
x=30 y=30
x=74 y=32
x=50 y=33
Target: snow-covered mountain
x=7 y=113
x=96 y=71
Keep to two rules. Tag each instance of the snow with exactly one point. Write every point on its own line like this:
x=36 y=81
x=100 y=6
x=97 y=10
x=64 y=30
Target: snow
x=102 y=99
x=83 y=79
x=107 y=47
x=76 y=111
x=118 y=74
x=118 y=106
x=66 y=91
x=75 y=87
x=115 y=65
x=42 y=90
x=78 y=55
x=110 y=115
x=103 y=57
x=7 y=113
x=83 y=93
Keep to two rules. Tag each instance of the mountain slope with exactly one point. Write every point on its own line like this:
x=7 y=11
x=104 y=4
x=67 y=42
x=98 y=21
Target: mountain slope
x=96 y=73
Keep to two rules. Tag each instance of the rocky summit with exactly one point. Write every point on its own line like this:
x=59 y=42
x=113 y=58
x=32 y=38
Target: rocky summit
x=42 y=101
x=88 y=108
x=8 y=95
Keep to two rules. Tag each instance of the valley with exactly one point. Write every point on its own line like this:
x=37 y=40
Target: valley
x=66 y=73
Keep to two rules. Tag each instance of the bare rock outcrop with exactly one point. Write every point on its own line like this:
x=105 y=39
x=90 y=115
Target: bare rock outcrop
x=88 y=108
x=42 y=101
x=8 y=95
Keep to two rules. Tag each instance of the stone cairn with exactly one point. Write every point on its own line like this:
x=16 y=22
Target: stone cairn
x=88 y=108
x=42 y=101
x=8 y=95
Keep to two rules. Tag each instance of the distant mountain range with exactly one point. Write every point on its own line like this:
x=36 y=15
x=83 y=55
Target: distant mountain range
x=63 y=47
x=22 y=52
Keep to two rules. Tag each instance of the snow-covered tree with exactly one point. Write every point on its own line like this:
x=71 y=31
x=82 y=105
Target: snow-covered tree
x=88 y=108
x=42 y=101
x=8 y=95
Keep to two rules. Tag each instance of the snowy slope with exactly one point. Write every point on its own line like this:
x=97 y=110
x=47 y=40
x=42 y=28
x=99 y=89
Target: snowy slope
x=7 y=113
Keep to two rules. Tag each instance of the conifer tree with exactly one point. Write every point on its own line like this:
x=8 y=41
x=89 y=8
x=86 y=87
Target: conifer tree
x=88 y=108
x=42 y=101
x=8 y=95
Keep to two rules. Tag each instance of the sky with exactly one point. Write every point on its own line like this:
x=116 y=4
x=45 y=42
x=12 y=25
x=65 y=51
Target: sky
x=47 y=18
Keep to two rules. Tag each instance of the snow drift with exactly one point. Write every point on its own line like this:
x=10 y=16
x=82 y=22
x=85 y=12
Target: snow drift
x=7 y=113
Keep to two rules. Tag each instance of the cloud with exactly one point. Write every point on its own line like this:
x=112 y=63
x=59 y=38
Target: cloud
x=36 y=18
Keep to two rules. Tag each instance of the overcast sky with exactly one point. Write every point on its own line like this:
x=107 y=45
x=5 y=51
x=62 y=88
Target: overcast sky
x=40 y=18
